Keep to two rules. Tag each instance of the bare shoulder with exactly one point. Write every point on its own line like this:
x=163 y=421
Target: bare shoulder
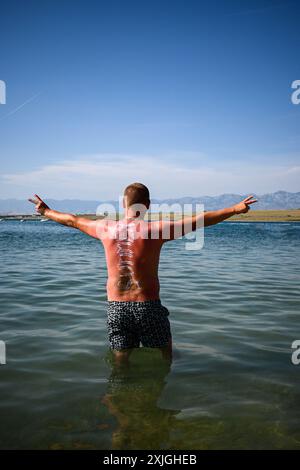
x=159 y=230
x=100 y=228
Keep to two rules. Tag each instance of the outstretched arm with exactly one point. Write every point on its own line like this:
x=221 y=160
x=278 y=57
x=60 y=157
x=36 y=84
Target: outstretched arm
x=81 y=223
x=186 y=225
x=214 y=217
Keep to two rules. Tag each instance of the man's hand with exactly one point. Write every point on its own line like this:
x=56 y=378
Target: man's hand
x=243 y=206
x=40 y=205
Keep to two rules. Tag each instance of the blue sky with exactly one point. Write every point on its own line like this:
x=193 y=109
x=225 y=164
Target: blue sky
x=189 y=97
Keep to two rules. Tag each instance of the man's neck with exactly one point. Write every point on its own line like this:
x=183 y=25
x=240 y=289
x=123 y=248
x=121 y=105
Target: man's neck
x=131 y=217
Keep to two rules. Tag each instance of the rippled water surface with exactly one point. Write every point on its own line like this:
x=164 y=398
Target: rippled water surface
x=234 y=312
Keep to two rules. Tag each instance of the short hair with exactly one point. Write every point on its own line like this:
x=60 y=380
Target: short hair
x=136 y=193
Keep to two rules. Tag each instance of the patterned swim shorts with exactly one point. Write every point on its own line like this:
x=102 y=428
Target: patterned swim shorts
x=132 y=323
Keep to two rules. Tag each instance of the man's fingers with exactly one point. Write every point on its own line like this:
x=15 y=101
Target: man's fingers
x=248 y=197
x=251 y=202
x=34 y=201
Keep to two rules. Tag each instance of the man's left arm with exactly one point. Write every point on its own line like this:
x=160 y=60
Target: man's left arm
x=179 y=228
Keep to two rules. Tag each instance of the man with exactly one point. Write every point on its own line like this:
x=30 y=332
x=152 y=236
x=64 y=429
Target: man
x=132 y=249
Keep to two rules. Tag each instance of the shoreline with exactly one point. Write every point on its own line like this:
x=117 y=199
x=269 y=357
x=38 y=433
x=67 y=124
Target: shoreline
x=280 y=215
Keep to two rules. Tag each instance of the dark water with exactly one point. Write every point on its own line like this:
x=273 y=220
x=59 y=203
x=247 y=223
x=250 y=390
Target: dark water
x=234 y=311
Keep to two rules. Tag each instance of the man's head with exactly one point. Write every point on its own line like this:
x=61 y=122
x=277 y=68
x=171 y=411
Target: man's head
x=137 y=198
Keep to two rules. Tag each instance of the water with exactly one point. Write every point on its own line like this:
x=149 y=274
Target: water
x=234 y=312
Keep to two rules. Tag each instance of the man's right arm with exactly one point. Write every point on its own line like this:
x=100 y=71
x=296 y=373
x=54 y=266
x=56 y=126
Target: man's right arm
x=90 y=227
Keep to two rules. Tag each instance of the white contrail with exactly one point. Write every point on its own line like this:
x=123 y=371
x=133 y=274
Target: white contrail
x=13 y=111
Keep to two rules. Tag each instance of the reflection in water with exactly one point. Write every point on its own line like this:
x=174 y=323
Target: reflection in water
x=132 y=398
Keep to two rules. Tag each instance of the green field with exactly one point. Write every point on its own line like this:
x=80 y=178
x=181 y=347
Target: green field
x=292 y=215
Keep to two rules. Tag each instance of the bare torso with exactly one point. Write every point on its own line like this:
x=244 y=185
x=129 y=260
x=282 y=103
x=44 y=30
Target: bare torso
x=132 y=259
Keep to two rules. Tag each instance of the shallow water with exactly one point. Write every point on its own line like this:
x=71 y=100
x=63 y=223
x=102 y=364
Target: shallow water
x=234 y=312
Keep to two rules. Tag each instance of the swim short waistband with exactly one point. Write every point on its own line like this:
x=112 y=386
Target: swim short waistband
x=154 y=302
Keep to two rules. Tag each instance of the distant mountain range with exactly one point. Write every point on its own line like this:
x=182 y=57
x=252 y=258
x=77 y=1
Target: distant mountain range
x=277 y=200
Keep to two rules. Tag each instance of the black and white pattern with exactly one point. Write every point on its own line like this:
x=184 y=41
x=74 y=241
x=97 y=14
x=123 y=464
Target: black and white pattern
x=132 y=323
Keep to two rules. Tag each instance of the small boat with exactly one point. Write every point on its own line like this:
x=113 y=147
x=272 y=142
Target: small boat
x=44 y=220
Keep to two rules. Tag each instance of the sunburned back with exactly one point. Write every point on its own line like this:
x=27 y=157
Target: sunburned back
x=132 y=261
